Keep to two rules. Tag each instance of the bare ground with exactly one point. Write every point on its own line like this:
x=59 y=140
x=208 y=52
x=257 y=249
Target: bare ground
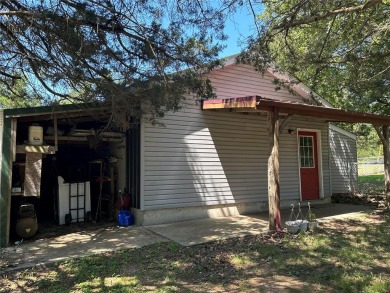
x=350 y=255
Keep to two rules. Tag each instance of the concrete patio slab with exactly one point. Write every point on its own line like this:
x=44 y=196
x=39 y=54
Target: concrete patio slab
x=82 y=243
x=205 y=230
x=323 y=212
x=111 y=238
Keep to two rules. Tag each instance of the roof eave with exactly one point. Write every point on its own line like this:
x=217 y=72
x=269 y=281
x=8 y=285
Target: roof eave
x=257 y=103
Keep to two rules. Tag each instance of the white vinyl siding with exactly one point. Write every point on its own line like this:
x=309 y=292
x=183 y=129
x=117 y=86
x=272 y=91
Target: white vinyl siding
x=201 y=158
x=235 y=81
x=211 y=158
x=343 y=162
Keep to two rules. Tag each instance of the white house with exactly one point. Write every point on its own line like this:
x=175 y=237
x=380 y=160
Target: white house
x=204 y=163
x=208 y=160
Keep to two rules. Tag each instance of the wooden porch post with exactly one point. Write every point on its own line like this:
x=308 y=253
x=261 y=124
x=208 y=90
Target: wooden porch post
x=273 y=172
x=55 y=133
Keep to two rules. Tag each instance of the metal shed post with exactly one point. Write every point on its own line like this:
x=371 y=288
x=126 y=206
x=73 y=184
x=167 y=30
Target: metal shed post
x=6 y=170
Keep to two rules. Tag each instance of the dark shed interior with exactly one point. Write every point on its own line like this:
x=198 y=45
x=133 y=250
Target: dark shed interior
x=71 y=177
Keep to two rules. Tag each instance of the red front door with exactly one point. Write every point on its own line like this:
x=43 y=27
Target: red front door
x=308 y=165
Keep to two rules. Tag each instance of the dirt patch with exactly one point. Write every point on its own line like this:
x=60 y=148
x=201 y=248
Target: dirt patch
x=52 y=231
x=377 y=201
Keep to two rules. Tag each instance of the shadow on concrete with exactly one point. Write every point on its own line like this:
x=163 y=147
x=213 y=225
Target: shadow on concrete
x=187 y=233
x=200 y=231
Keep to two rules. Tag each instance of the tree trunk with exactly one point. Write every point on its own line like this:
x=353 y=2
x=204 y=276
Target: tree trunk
x=384 y=135
x=273 y=173
x=386 y=161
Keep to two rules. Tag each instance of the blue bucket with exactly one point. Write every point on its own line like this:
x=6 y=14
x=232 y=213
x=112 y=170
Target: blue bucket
x=125 y=218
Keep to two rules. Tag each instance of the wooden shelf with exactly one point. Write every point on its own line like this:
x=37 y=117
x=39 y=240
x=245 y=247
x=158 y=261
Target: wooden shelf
x=80 y=139
x=43 y=149
x=17 y=193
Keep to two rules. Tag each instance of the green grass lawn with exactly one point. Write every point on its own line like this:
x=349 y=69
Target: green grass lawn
x=342 y=256
x=372 y=184
x=372 y=179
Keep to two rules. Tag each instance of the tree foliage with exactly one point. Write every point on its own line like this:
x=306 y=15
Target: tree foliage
x=369 y=145
x=117 y=51
x=339 y=48
x=17 y=96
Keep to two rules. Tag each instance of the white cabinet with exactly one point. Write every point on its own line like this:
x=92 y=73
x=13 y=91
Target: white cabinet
x=78 y=195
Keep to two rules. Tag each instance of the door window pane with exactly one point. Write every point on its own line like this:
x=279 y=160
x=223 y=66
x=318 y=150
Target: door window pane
x=306 y=151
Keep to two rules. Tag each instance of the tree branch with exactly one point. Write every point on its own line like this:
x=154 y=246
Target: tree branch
x=254 y=16
x=75 y=22
x=326 y=38
x=28 y=55
x=9 y=75
x=344 y=10
x=380 y=134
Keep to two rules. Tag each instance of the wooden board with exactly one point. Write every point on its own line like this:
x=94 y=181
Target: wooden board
x=80 y=138
x=242 y=102
x=32 y=179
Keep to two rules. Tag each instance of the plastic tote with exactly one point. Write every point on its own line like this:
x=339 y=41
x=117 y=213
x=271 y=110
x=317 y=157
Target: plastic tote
x=125 y=218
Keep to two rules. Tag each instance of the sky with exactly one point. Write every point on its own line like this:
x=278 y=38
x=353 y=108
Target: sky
x=238 y=27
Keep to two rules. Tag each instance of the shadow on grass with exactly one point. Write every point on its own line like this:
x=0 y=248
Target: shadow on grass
x=342 y=259
x=348 y=256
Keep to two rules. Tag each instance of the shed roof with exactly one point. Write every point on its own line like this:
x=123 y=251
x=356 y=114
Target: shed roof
x=47 y=112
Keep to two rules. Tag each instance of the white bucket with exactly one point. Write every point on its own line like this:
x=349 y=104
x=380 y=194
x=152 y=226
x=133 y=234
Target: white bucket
x=35 y=135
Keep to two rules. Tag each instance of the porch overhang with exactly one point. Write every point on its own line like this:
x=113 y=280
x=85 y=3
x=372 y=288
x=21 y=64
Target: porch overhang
x=274 y=108
x=258 y=103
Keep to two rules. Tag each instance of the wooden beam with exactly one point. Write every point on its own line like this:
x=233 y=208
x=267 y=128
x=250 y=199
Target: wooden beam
x=330 y=114
x=273 y=173
x=6 y=180
x=80 y=138
x=14 y=126
x=55 y=133
x=285 y=122
x=294 y=108
x=43 y=149
x=230 y=103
